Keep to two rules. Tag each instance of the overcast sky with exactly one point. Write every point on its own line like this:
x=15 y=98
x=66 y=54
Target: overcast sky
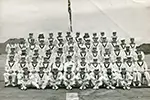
x=127 y=17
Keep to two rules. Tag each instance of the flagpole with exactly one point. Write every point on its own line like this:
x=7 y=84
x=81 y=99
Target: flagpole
x=70 y=15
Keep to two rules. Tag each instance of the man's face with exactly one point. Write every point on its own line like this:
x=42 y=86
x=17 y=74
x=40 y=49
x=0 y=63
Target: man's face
x=11 y=58
x=69 y=70
x=30 y=35
x=69 y=59
x=119 y=59
x=26 y=70
x=102 y=33
x=107 y=60
x=139 y=57
x=41 y=69
x=123 y=71
x=82 y=71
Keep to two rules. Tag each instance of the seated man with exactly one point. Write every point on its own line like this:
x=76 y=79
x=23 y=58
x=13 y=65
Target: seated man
x=10 y=71
x=126 y=79
x=142 y=70
x=69 y=78
x=110 y=79
x=117 y=65
x=27 y=80
x=131 y=68
x=97 y=78
x=20 y=66
x=55 y=78
x=82 y=78
x=42 y=78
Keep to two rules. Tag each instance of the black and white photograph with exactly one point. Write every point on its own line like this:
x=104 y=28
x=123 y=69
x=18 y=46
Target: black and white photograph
x=74 y=49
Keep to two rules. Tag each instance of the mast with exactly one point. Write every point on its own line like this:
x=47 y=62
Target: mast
x=70 y=15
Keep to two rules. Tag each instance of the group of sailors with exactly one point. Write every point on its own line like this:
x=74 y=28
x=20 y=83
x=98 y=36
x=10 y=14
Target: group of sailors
x=91 y=60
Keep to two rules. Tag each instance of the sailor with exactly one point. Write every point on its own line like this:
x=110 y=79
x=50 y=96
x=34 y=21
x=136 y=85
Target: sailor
x=77 y=36
x=82 y=78
x=46 y=65
x=60 y=43
x=51 y=38
x=110 y=77
x=60 y=52
x=114 y=40
x=36 y=53
x=22 y=44
x=42 y=45
x=123 y=44
x=132 y=44
x=88 y=44
x=80 y=43
x=48 y=53
x=127 y=52
x=42 y=78
x=95 y=41
x=29 y=79
x=106 y=64
x=22 y=63
x=69 y=63
x=83 y=52
x=10 y=71
x=95 y=65
x=55 y=78
x=117 y=65
x=82 y=64
x=114 y=35
x=104 y=44
x=58 y=64
x=103 y=36
x=23 y=51
x=86 y=37
x=51 y=45
x=71 y=52
x=30 y=38
x=68 y=36
x=97 y=78
x=117 y=52
x=130 y=66
x=34 y=64
x=12 y=52
x=95 y=54
x=106 y=54
x=137 y=53
x=69 y=78
x=126 y=79
x=70 y=43
x=142 y=70
x=25 y=79
x=59 y=37
x=32 y=45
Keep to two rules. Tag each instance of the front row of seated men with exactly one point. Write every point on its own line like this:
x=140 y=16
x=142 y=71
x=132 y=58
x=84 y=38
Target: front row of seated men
x=109 y=75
